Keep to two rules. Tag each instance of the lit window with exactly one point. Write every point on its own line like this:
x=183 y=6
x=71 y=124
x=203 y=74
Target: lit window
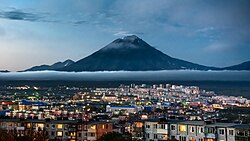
x=138 y=124
x=40 y=125
x=182 y=128
x=59 y=126
x=103 y=126
x=73 y=134
x=59 y=134
x=93 y=127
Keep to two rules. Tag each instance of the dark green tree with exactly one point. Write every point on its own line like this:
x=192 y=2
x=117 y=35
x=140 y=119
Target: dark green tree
x=114 y=136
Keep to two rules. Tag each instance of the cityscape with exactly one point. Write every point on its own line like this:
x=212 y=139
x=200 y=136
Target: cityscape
x=98 y=70
x=139 y=112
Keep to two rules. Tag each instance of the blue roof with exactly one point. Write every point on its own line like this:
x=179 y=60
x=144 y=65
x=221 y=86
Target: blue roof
x=38 y=103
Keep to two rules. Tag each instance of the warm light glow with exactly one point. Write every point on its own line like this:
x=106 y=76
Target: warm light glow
x=192 y=139
x=93 y=127
x=59 y=126
x=182 y=128
x=28 y=125
x=59 y=134
x=138 y=124
x=73 y=134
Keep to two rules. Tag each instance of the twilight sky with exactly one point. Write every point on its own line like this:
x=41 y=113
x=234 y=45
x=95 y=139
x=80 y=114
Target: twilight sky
x=35 y=32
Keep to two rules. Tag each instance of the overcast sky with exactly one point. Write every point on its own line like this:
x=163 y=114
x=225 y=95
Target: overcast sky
x=35 y=32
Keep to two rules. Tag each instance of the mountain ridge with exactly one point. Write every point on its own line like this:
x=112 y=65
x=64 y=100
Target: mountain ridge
x=54 y=66
x=131 y=53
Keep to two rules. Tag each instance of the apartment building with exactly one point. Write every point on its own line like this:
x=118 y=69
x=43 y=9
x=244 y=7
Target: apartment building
x=162 y=130
x=64 y=130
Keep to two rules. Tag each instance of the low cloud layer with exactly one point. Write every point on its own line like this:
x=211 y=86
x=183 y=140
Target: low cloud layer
x=126 y=75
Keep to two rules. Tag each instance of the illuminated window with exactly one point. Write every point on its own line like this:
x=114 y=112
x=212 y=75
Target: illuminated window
x=93 y=127
x=28 y=125
x=182 y=128
x=60 y=134
x=73 y=134
x=59 y=126
x=138 y=124
x=40 y=125
x=210 y=139
x=103 y=126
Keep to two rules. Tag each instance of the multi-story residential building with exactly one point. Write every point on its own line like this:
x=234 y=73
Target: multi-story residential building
x=65 y=130
x=160 y=130
x=241 y=132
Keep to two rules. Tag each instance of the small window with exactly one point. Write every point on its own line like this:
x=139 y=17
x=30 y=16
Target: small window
x=155 y=136
x=221 y=131
x=92 y=134
x=192 y=129
x=231 y=132
x=79 y=127
x=155 y=126
x=162 y=126
x=201 y=130
x=172 y=127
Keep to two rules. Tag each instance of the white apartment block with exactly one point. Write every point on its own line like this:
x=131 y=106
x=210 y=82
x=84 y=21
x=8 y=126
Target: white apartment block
x=162 y=130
